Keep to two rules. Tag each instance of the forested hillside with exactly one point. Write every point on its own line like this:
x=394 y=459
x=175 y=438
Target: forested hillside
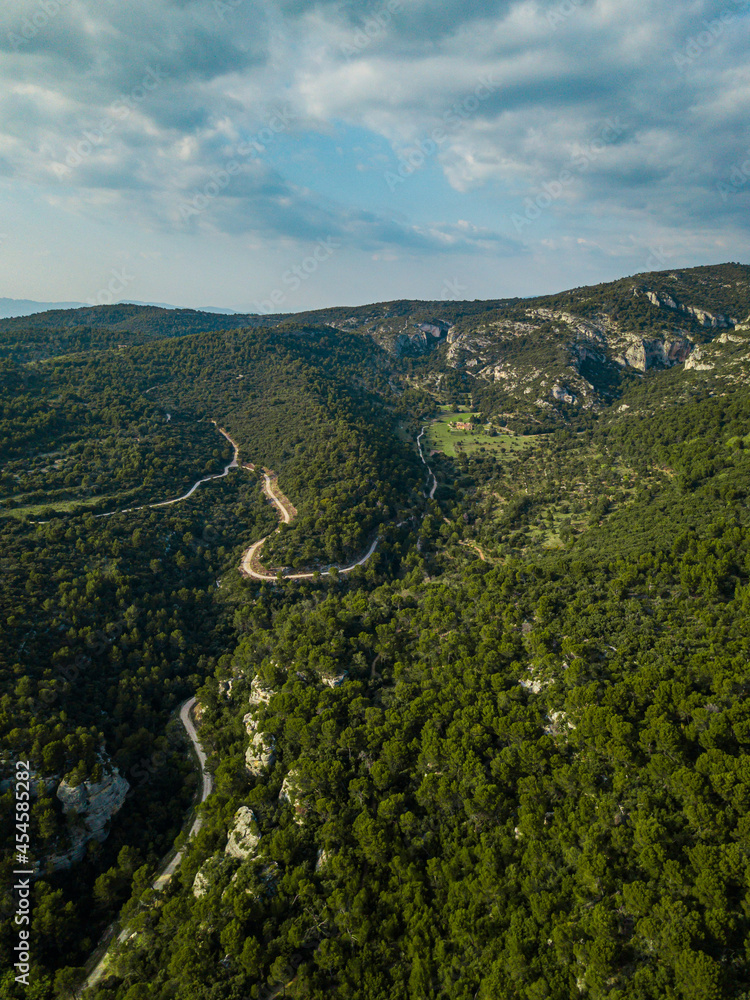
x=115 y=611
x=71 y=331
x=505 y=757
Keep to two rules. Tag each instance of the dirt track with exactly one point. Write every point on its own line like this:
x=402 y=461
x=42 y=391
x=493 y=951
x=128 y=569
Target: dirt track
x=250 y=564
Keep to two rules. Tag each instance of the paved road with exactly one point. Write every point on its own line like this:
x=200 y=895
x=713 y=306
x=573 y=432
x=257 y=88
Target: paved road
x=171 y=867
x=287 y=513
x=208 y=784
x=166 y=503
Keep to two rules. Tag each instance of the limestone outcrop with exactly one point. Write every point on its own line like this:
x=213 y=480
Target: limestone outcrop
x=703 y=316
x=89 y=807
x=260 y=693
x=292 y=794
x=645 y=354
x=418 y=340
x=213 y=871
x=244 y=837
x=695 y=363
x=260 y=754
x=94 y=803
x=562 y=394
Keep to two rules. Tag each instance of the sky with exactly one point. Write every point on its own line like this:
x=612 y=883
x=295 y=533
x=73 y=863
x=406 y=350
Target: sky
x=274 y=157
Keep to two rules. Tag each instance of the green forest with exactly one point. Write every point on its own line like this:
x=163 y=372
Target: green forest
x=507 y=753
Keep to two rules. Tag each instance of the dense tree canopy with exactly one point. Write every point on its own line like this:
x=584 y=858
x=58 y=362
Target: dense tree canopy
x=507 y=754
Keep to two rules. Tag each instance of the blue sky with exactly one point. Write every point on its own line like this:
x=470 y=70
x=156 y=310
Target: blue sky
x=198 y=151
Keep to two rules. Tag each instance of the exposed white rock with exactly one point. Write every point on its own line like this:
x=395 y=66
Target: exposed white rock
x=673 y=351
x=558 y=723
x=534 y=685
x=730 y=338
x=583 y=327
x=562 y=394
x=324 y=857
x=288 y=788
x=694 y=362
x=213 y=870
x=661 y=300
x=454 y=351
x=244 y=836
x=417 y=342
x=433 y=329
x=333 y=680
x=89 y=807
x=260 y=754
x=703 y=316
x=291 y=794
x=201 y=884
x=225 y=687
x=260 y=694
x=644 y=354
x=94 y=803
x=706 y=318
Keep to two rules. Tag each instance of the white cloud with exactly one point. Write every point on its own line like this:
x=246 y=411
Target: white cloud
x=558 y=72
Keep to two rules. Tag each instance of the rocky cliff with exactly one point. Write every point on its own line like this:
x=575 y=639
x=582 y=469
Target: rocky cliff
x=88 y=807
x=551 y=356
x=244 y=837
x=260 y=754
x=703 y=316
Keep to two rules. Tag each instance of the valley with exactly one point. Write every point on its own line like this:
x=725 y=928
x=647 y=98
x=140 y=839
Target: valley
x=450 y=601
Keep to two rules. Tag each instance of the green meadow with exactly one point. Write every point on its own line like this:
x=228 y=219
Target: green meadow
x=441 y=436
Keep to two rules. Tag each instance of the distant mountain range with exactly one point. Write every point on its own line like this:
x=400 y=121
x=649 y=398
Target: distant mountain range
x=26 y=307
x=11 y=308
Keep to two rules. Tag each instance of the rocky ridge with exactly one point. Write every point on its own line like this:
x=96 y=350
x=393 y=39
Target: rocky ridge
x=565 y=357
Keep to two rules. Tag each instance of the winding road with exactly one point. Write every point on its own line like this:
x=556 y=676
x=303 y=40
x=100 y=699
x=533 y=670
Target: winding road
x=287 y=513
x=247 y=570
x=161 y=880
x=250 y=566
x=170 y=866
x=166 y=503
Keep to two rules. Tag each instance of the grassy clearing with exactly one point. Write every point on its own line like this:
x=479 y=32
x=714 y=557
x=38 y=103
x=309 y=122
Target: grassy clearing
x=51 y=507
x=451 y=441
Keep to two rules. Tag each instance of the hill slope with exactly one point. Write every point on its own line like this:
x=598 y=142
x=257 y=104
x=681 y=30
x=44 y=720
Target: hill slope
x=504 y=758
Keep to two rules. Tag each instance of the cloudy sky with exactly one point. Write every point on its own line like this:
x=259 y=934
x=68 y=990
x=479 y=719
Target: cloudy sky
x=282 y=156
